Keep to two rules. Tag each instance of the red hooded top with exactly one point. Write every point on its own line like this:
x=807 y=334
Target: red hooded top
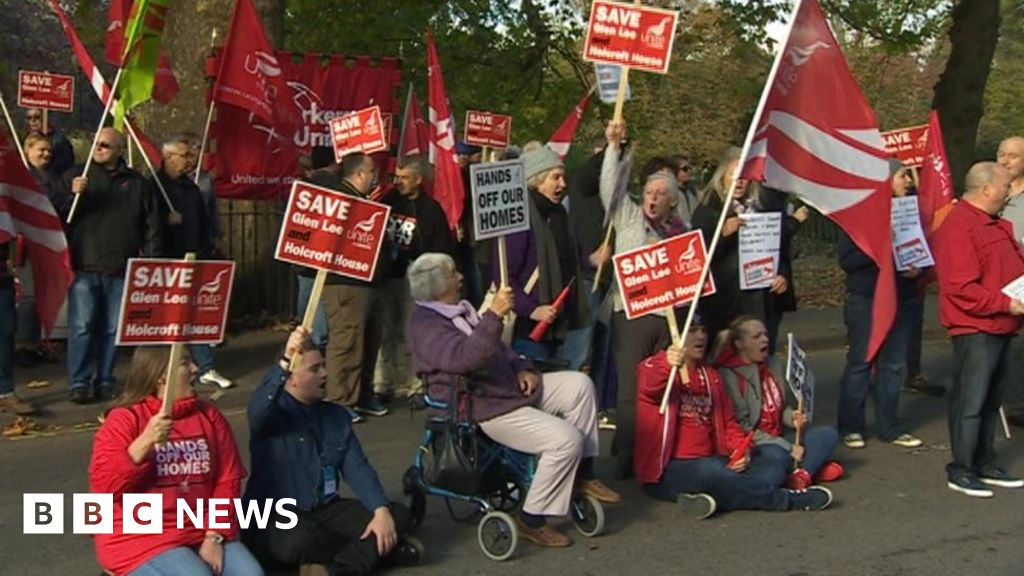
x=712 y=431
x=772 y=394
x=199 y=461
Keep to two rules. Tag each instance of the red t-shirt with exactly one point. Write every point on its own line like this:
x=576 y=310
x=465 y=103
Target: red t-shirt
x=771 y=405
x=695 y=437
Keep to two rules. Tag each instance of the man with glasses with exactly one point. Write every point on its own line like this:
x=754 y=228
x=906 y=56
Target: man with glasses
x=684 y=176
x=116 y=219
x=63 y=154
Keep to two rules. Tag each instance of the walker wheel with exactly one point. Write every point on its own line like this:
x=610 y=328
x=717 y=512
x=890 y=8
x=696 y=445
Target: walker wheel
x=497 y=535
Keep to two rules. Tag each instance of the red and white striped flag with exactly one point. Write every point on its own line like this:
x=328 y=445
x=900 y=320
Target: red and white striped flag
x=562 y=139
x=25 y=210
x=448 y=187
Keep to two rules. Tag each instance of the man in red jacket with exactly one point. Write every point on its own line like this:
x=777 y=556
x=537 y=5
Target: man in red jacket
x=977 y=255
x=696 y=454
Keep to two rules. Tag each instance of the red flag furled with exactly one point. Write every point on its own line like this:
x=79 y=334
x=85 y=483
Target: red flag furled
x=448 y=186
x=415 y=134
x=165 y=87
x=935 y=191
x=25 y=210
x=818 y=138
x=563 y=137
x=96 y=80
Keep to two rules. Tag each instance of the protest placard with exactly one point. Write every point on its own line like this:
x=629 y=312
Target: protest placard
x=909 y=145
x=909 y=245
x=608 y=77
x=1015 y=289
x=662 y=275
x=359 y=131
x=630 y=35
x=800 y=377
x=760 y=237
x=488 y=129
x=169 y=301
x=500 y=203
x=46 y=91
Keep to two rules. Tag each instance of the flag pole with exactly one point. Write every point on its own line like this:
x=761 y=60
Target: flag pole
x=149 y=164
x=14 y=133
x=405 y=118
x=96 y=140
x=751 y=130
x=174 y=363
x=209 y=113
x=620 y=102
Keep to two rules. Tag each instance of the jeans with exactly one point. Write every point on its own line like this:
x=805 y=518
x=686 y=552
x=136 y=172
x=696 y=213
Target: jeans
x=94 y=304
x=890 y=366
x=916 y=314
x=587 y=345
x=819 y=442
x=319 y=335
x=980 y=374
x=182 y=561
x=8 y=326
x=757 y=488
x=202 y=357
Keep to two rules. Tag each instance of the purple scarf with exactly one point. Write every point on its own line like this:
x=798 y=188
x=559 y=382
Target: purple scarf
x=462 y=315
x=672 y=226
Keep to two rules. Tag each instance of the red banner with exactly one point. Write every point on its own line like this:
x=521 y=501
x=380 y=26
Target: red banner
x=167 y=301
x=488 y=129
x=360 y=131
x=662 y=275
x=910 y=145
x=326 y=229
x=630 y=35
x=46 y=91
x=249 y=160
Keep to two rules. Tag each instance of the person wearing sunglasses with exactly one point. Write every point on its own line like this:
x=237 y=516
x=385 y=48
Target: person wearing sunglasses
x=687 y=185
x=63 y=154
x=116 y=219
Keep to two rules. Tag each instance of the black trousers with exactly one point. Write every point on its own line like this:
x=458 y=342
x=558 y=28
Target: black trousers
x=327 y=535
x=980 y=373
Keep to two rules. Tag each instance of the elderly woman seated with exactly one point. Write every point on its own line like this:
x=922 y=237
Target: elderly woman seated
x=552 y=415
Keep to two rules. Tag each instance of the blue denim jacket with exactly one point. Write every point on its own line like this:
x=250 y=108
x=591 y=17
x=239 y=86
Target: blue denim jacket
x=292 y=444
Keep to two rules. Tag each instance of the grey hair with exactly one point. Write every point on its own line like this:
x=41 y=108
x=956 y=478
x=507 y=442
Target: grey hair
x=716 y=186
x=537 y=179
x=670 y=181
x=982 y=174
x=426 y=276
x=176 y=140
x=414 y=164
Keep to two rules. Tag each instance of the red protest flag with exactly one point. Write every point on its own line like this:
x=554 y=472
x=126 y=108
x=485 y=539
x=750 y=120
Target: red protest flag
x=415 y=134
x=165 y=86
x=563 y=137
x=448 y=187
x=25 y=210
x=818 y=138
x=935 y=191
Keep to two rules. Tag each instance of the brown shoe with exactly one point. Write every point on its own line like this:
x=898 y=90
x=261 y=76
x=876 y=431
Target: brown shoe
x=313 y=570
x=545 y=536
x=598 y=490
x=12 y=403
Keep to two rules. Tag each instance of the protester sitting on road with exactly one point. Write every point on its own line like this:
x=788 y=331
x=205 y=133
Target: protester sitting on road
x=659 y=217
x=888 y=368
x=300 y=444
x=512 y=403
x=758 y=396
x=696 y=454
x=189 y=454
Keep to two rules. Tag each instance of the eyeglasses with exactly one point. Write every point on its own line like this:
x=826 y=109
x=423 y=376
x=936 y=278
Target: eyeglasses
x=685 y=168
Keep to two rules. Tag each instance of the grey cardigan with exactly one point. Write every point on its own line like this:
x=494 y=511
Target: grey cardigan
x=747 y=404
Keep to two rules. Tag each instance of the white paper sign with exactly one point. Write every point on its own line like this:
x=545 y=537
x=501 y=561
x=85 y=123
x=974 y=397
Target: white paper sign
x=1015 y=289
x=800 y=377
x=760 y=237
x=608 y=83
x=909 y=245
x=500 y=202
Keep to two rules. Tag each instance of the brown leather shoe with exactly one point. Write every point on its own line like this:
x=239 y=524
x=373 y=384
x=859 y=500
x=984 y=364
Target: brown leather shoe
x=599 y=490
x=545 y=536
x=16 y=405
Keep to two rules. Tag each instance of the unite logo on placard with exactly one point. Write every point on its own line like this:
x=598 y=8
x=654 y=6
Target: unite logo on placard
x=687 y=262
x=207 y=296
x=655 y=36
x=361 y=234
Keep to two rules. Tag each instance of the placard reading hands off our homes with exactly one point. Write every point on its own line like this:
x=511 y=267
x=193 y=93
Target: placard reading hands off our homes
x=500 y=204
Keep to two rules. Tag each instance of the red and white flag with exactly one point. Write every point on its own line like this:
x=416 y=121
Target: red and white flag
x=935 y=191
x=415 y=133
x=562 y=139
x=448 y=187
x=96 y=80
x=165 y=86
x=818 y=138
x=25 y=210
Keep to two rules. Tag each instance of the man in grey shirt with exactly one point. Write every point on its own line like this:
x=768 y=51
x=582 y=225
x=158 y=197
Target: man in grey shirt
x=1011 y=157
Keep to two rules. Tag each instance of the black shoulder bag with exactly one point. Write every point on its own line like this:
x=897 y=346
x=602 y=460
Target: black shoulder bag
x=455 y=463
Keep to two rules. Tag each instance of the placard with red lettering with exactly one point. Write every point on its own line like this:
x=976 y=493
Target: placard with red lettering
x=488 y=129
x=46 y=91
x=328 y=230
x=167 y=301
x=665 y=274
x=630 y=35
x=910 y=145
x=359 y=131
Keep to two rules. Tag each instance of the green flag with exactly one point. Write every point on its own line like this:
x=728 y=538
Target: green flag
x=143 y=34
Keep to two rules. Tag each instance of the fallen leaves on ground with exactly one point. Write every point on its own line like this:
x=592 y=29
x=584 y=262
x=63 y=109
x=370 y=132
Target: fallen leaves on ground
x=819 y=282
x=24 y=426
x=38 y=384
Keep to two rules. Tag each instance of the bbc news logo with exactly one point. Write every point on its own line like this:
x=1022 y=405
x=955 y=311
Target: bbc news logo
x=144 y=513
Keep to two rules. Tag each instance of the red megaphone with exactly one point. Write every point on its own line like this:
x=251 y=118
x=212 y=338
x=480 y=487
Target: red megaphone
x=538 y=331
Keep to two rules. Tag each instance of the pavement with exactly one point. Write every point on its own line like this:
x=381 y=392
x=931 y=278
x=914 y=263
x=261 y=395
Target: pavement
x=893 y=515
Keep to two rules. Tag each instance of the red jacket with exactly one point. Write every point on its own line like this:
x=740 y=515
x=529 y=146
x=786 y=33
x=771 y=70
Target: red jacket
x=656 y=433
x=199 y=460
x=976 y=255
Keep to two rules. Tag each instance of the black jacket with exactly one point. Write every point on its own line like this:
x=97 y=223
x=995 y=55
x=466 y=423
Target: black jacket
x=586 y=213
x=862 y=273
x=414 y=228
x=378 y=272
x=117 y=218
x=194 y=234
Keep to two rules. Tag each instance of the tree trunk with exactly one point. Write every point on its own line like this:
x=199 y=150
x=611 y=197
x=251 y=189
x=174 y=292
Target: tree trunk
x=960 y=91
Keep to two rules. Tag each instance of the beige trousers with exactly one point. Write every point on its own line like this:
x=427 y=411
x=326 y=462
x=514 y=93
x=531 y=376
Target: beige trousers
x=394 y=364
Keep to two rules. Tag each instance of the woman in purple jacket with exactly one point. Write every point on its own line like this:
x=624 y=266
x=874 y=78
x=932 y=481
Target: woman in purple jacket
x=512 y=403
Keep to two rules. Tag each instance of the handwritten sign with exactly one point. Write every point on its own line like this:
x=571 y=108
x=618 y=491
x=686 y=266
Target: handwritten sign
x=759 y=241
x=630 y=35
x=909 y=246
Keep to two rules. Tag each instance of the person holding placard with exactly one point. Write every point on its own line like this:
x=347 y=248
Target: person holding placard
x=697 y=454
x=63 y=152
x=657 y=218
x=758 y=396
x=887 y=371
x=189 y=454
x=978 y=258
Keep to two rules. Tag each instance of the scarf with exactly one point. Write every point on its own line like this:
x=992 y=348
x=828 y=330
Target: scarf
x=672 y=226
x=770 y=419
x=556 y=262
x=462 y=315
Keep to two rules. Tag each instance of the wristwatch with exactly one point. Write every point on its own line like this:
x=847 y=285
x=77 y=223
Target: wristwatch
x=215 y=538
